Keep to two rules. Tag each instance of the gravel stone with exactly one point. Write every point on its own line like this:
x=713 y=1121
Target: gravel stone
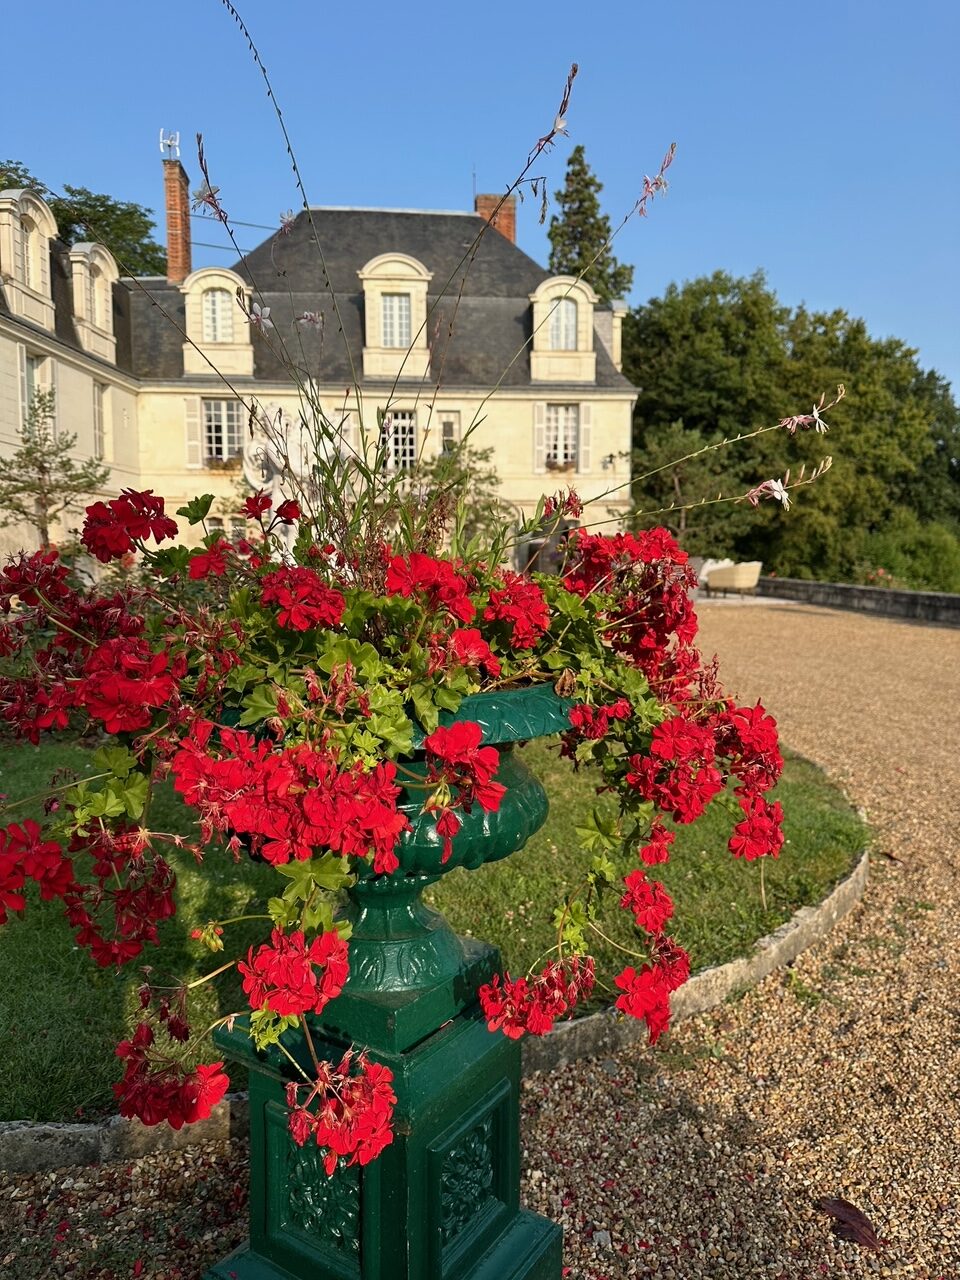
x=681 y=1162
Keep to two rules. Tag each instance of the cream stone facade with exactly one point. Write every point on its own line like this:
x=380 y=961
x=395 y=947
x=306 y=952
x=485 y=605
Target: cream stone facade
x=158 y=376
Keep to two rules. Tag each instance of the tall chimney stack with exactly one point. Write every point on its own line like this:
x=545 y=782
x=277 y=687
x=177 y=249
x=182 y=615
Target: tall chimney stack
x=505 y=221
x=176 y=190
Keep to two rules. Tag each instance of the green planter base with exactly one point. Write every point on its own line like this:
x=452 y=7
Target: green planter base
x=440 y=1203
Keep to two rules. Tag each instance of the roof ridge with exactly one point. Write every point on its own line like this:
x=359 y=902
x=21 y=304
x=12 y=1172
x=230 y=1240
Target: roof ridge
x=360 y=208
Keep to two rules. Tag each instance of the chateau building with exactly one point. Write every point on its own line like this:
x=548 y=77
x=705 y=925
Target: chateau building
x=397 y=310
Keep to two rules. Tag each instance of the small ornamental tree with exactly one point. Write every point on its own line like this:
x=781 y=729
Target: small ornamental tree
x=41 y=479
x=580 y=234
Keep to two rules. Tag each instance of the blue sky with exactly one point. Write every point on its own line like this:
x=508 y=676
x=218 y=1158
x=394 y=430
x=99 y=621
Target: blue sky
x=818 y=141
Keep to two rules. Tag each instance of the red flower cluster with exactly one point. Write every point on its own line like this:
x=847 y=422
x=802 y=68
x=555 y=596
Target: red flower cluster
x=649 y=901
x=437 y=580
x=468 y=647
x=125 y=681
x=594 y=722
x=304 y=598
x=456 y=759
x=679 y=774
x=646 y=991
x=761 y=831
x=533 y=1004
x=24 y=855
x=211 y=562
x=260 y=502
x=135 y=888
x=283 y=976
x=347 y=1110
x=657 y=848
x=112 y=529
x=646 y=580
x=289 y=802
x=165 y=1094
x=521 y=604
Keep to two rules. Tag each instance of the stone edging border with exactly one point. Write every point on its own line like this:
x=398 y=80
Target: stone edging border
x=28 y=1147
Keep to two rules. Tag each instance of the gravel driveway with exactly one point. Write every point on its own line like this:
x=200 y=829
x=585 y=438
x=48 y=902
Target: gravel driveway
x=703 y=1158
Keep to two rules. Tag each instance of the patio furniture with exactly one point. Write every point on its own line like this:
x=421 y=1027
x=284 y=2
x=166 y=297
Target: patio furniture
x=740 y=578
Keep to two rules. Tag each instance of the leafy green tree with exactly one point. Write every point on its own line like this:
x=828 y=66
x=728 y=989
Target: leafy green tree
x=124 y=227
x=721 y=356
x=470 y=479
x=580 y=233
x=41 y=480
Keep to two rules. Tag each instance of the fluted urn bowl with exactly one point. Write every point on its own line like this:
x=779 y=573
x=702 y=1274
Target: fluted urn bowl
x=402 y=950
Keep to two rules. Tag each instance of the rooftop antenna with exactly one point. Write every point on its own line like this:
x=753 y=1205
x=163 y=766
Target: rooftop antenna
x=170 y=142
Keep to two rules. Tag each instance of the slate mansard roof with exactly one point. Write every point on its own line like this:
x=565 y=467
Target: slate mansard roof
x=485 y=301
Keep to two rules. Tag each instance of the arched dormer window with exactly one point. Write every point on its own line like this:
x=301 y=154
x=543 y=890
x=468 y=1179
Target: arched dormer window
x=94 y=273
x=26 y=228
x=215 y=323
x=562 y=348
x=395 y=317
x=563 y=325
x=218 y=306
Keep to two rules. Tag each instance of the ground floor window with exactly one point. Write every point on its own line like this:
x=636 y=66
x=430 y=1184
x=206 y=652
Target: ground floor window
x=222 y=429
x=563 y=435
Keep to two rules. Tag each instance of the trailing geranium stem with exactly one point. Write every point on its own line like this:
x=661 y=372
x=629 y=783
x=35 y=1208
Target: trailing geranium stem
x=198 y=982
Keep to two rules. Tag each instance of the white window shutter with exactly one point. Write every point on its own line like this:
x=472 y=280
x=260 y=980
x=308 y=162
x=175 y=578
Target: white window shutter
x=586 y=414
x=539 y=437
x=19 y=249
x=192 y=426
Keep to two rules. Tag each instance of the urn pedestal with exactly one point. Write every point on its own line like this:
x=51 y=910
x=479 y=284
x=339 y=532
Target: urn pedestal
x=442 y=1200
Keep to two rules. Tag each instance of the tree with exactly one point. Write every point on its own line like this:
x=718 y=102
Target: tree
x=40 y=480
x=580 y=234
x=470 y=478
x=721 y=356
x=81 y=214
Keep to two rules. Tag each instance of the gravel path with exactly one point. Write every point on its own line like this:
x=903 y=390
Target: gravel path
x=703 y=1159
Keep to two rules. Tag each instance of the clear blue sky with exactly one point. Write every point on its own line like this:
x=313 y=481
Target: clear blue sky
x=818 y=141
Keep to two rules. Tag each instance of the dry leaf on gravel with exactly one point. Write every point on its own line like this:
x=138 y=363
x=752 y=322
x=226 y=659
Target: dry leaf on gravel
x=850 y=1223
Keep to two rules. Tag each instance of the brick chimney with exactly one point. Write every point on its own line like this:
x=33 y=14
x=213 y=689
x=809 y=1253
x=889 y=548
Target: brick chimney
x=505 y=221
x=176 y=190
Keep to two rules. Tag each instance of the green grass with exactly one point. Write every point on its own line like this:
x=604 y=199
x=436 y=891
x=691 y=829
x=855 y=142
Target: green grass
x=61 y=1017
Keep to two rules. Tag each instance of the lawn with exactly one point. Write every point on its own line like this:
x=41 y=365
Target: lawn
x=61 y=1017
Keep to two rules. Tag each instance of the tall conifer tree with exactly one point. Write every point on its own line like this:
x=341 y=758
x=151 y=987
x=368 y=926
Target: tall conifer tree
x=579 y=233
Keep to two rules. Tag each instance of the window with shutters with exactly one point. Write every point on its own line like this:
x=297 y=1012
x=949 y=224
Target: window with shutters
x=30 y=239
x=562 y=437
x=223 y=422
x=563 y=325
x=217 y=308
x=396 y=320
x=398 y=440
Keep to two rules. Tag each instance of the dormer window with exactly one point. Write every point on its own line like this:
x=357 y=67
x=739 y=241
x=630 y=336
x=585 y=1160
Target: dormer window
x=26 y=228
x=395 y=317
x=396 y=320
x=214 y=300
x=562 y=348
x=217 y=307
x=563 y=325
x=93 y=298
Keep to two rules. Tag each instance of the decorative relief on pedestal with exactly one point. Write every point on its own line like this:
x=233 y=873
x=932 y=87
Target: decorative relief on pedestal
x=327 y=1209
x=466 y=1179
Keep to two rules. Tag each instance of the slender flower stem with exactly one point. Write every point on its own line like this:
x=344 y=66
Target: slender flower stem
x=198 y=982
x=626 y=950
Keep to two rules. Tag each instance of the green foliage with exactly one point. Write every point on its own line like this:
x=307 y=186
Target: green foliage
x=921 y=556
x=722 y=356
x=41 y=479
x=468 y=478
x=82 y=214
x=580 y=234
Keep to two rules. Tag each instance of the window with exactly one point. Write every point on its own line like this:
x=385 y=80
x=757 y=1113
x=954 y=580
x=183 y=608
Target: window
x=99 y=451
x=563 y=436
x=396 y=320
x=31 y=273
x=399 y=441
x=222 y=429
x=217 y=315
x=449 y=432
x=563 y=325
x=32 y=381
